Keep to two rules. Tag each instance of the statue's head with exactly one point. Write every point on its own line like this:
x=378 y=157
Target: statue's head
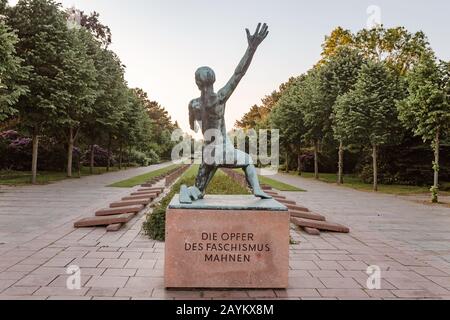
x=205 y=77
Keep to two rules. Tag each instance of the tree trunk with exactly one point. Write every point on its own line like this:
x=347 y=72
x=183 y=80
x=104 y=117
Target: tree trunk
x=375 y=168
x=108 y=165
x=437 y=146
x=129 y=157
x=299 y=164
x=92 y=160
x=287 y=160
x=34 y=160
x=79 y=166
x=341 y=164
x=316 y=160
x=70 y=153
x=120 y=155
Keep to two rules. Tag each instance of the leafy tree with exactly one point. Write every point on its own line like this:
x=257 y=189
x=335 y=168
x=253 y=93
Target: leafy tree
x=397 y=47
x=343 y=69
x=426 y=110
x=287 y=117
x=367 y=114
x=3 y=6
x=110 y=103
x=162 y=126
x=77 y=90
x=257 y=117
x=316 y=104
x=338 y=38
x=91 y=22
x=10 y=73
x=42 y=32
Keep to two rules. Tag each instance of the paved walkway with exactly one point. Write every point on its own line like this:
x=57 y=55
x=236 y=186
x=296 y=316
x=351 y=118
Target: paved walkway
x=407 y=240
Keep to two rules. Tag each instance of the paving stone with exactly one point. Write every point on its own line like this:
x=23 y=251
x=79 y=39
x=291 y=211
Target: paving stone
x=61 y=281
x=35 y=280
x=102 y=292
x=305 y=283
x=113 y=263
x=295 y=293
x=114 y=227
x=134 y=292
x=145 y=282
x=340 y=283
x=22 y=268
x=354 y=265
x=343 y=293
x=6 y=284
x=131 y=255
x=442 y=281
x=325 y=274
x=218 y=294
x=120 y=272
x=303 y=265
x=415 y=294
x=59 y=262
x=87 y=262
x=107 y=282
x=18 y=291
x=329 y=265
x=140 y=263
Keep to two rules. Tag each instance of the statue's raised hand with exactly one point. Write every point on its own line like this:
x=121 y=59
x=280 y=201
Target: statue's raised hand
x=261 y=33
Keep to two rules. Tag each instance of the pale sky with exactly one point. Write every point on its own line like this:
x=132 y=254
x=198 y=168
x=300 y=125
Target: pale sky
x=163 y=42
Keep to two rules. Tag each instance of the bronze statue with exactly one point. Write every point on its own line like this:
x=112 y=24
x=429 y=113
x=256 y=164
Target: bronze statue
x=208 y=111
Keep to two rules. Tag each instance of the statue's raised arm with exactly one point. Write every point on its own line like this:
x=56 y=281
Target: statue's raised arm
x=253 y=43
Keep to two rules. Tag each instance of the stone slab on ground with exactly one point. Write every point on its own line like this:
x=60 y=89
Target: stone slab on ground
x=121 y=204
x=320 y=225
x=146 y=193
x=297 y=208
x=156 y=189
x=307 y=215
x=140 y=197
x=116 y=211
x=104 y=221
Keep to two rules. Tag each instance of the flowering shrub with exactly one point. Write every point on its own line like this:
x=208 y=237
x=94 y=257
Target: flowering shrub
x=100 y=157
x=16 y=152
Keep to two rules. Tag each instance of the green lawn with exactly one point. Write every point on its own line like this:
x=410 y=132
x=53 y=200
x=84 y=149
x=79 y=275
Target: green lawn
x=355 y=182
x=278 y=185
x=17 y=178
x=135 y=181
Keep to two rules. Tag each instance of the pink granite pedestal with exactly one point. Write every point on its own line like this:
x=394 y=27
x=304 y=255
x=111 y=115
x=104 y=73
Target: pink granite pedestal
x=232 y=247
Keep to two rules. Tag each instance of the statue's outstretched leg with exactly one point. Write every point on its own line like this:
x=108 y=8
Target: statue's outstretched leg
x=252 y=178
x=205 y=175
